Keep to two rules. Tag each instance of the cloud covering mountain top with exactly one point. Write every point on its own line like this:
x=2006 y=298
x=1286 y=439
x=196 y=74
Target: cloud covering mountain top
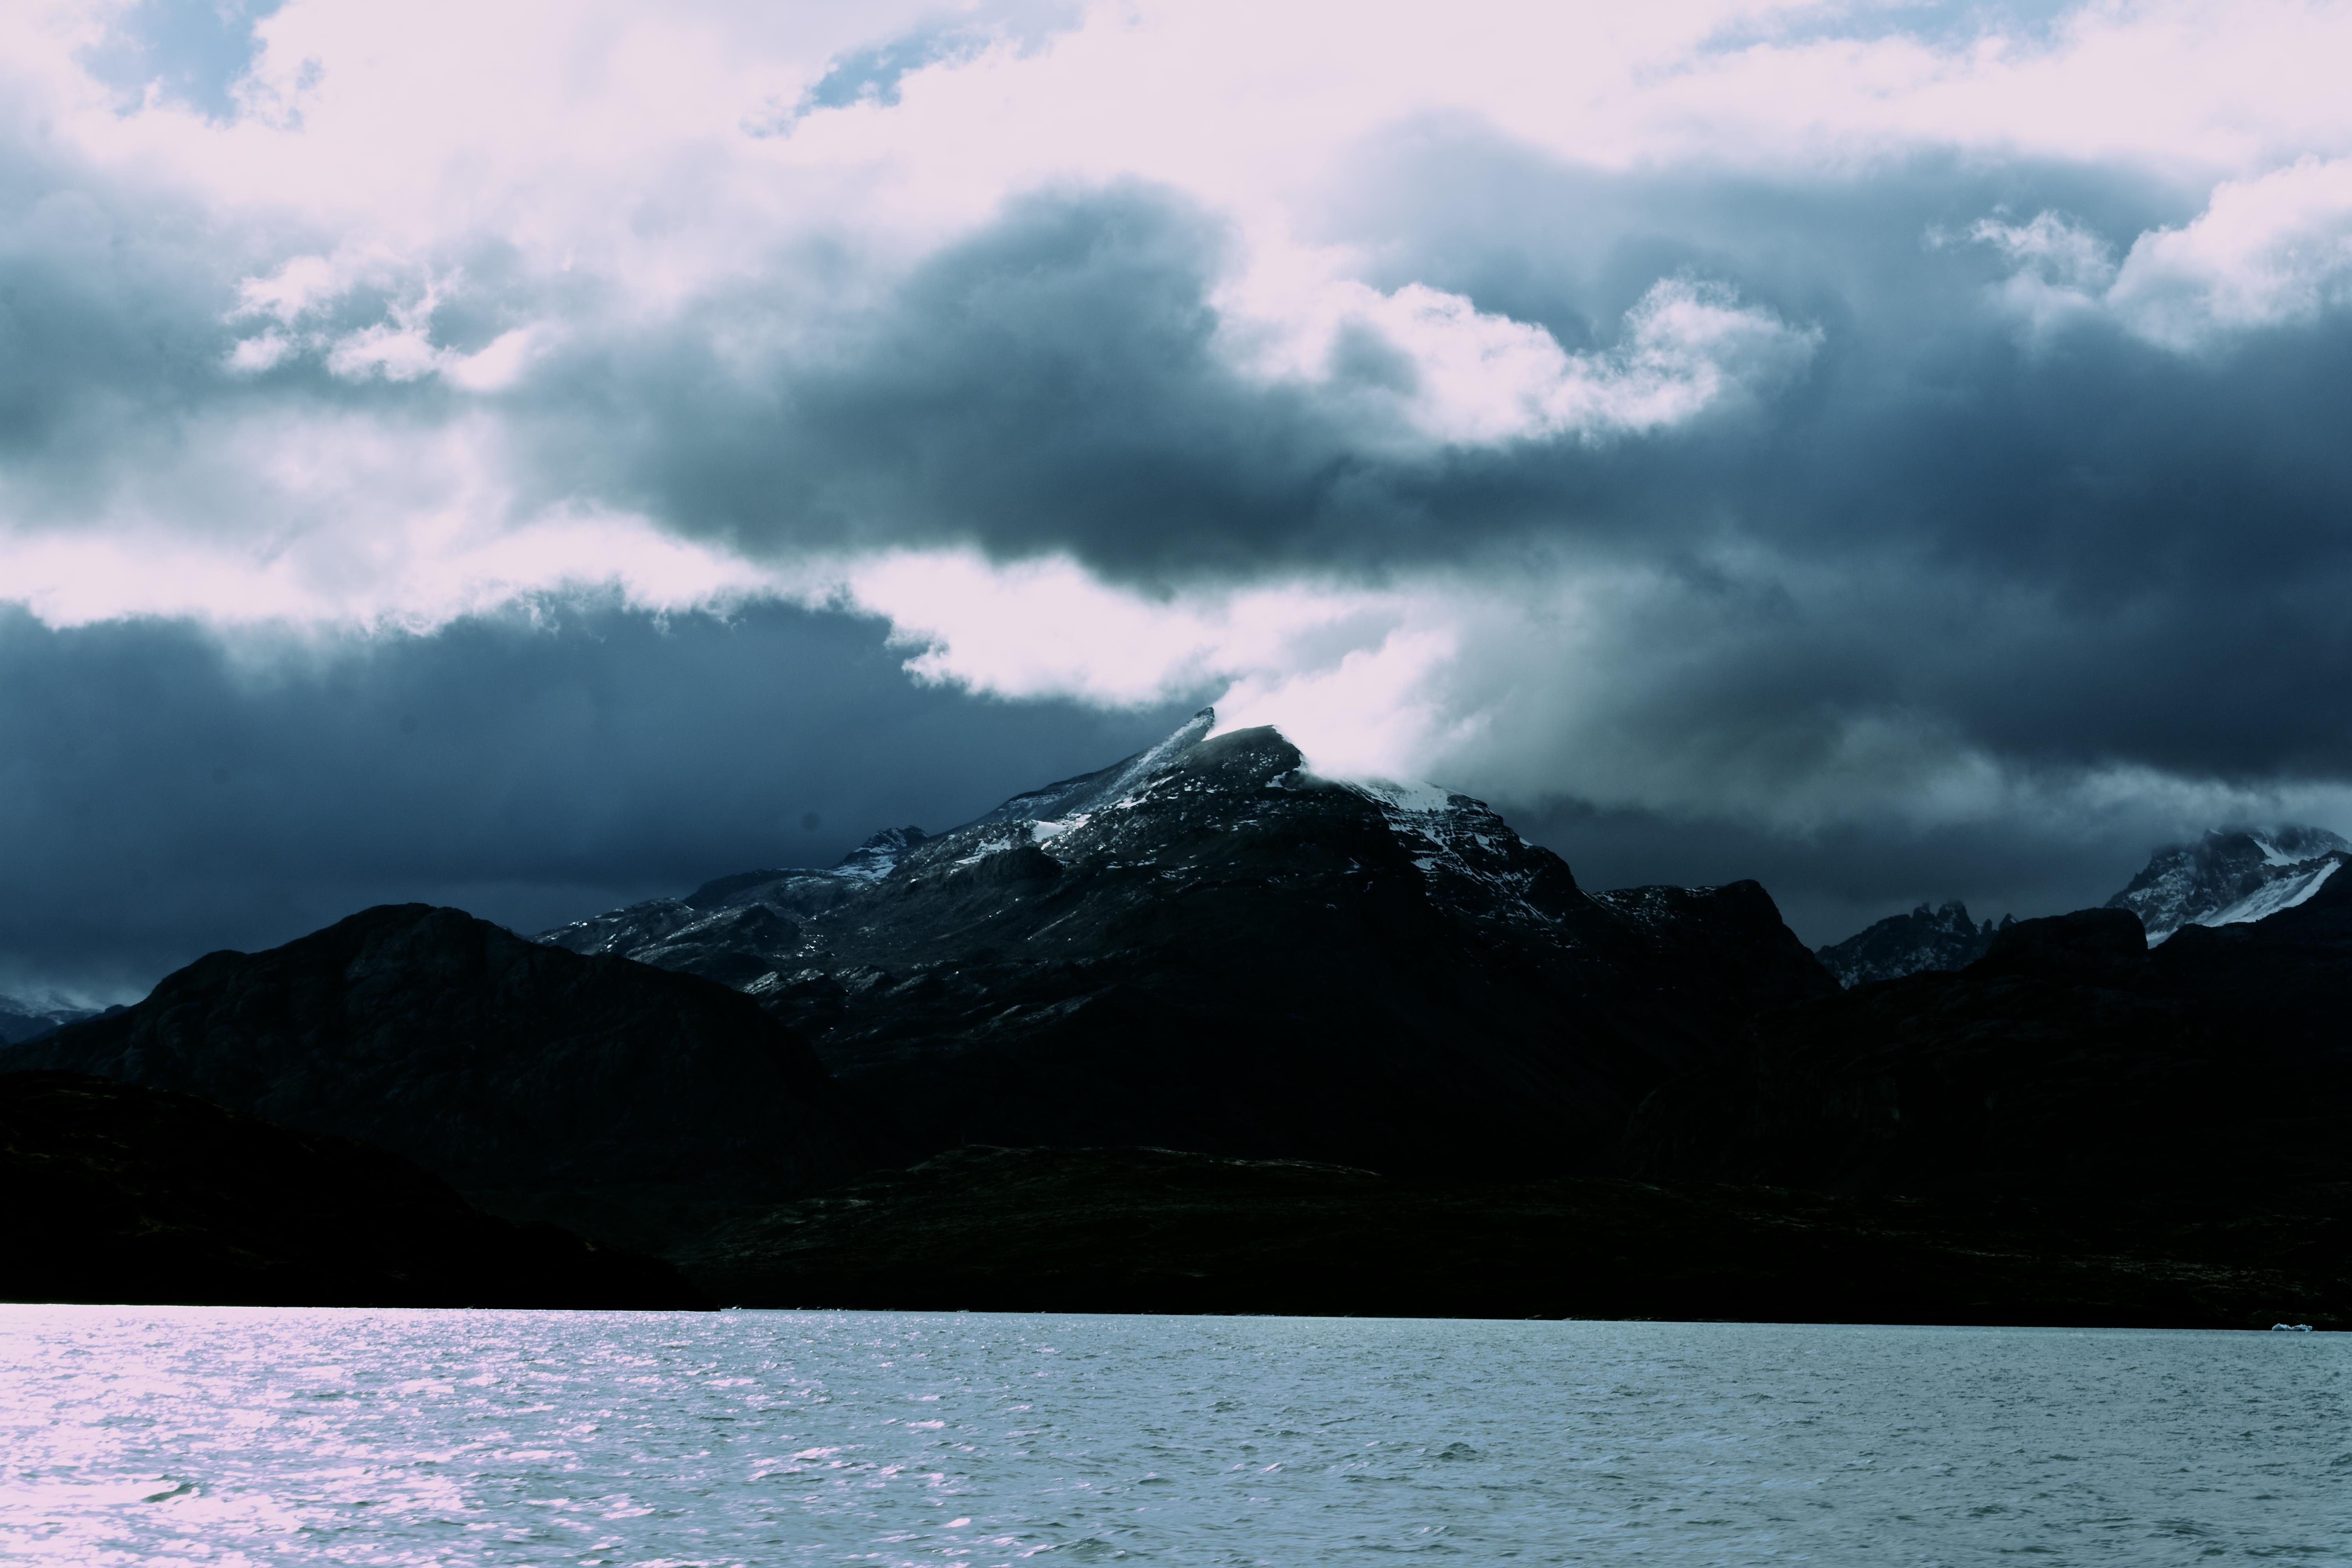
x=1896 y=448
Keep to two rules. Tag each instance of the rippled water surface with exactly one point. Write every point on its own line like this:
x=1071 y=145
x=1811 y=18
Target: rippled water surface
x=156 y=1436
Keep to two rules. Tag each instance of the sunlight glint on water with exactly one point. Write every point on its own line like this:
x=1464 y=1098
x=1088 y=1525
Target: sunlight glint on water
x=184 y=1434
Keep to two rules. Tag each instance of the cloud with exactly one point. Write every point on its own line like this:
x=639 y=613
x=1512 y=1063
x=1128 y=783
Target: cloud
x=1562 y=402
x=2265 y=254
x=293 y=312
x=1464 y=377
x=169 y=788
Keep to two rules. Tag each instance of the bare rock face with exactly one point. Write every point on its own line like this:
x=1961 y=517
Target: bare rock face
x=1940 y=938
x=1206 y=946
x=2232 y=876
x=122 y=1193
x=596 y=1090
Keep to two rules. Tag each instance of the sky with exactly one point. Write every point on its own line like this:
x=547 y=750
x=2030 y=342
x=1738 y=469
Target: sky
x=534 y=457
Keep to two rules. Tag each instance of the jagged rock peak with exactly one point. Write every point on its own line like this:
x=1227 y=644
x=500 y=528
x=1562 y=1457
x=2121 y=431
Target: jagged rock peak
x=1941 y=937
x=2232 y=875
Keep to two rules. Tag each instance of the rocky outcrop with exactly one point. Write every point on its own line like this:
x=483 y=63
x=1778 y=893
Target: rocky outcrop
x=1941 y=937
x=620 y=1099
x=129 y=1195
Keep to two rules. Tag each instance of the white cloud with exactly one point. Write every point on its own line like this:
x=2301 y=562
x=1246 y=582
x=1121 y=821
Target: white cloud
x=295 y=302
x=599 y=149
x=2270 y=252
x=2265 y=252
x=1459 y=376
x=1550 y=687
x=342 y=520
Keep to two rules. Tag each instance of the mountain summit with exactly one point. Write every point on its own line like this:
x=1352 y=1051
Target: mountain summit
x=1926 y=939
x=1207 y=946
x=2232 y=876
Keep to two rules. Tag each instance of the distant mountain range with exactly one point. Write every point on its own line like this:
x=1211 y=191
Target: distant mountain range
x=1204 y=947
x=2234 y=876
x=1202 y=994
x=1942 y=938
x=22 y=1020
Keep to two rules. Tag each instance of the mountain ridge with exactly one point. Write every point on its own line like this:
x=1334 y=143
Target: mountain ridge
x=596 y=1092
x=1210 y=910
x=1207 y=948
x=2232 y=877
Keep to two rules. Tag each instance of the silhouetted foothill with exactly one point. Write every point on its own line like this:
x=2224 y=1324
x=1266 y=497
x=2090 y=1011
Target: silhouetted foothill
x=2192 y=1098
x=121 y=1194
x=2087 y=943
x=595 y=1091
x=1153 y=1230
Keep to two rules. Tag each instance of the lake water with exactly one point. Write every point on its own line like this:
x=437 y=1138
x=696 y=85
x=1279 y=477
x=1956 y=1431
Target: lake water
x=216 y=1436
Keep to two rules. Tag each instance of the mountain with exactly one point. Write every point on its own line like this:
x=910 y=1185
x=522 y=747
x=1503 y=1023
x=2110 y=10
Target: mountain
x=618 y=1098
x=119 y=1193
x=21 y=1020
x=1143 y=1037
x=1205 y=946
x=2190 y=1097
x=1942 y=938
x=2232 y=876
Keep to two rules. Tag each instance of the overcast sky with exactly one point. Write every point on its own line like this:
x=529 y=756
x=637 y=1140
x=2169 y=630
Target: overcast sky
x=537 y=455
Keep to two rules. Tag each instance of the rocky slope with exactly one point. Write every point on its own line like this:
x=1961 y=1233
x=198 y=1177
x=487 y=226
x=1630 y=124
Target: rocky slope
x=1942 y=938
x=617 y=1097
x=2232 y=876
x=1206 y=946
x=122 y=1193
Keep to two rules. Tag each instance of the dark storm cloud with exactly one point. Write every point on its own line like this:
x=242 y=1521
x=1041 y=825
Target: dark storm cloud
x=164 y=794
x=2075 y=549
x=1050 y=385
x=109 y=317
x=2065 y=551
x=119 y=311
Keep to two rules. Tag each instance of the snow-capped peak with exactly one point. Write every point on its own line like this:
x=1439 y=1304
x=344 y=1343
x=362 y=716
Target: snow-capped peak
x=2231 y=876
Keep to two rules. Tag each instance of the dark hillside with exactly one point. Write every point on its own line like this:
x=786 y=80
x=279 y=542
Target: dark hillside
x=611 y=1096
x=128 y=1195
x=1152 y=1230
